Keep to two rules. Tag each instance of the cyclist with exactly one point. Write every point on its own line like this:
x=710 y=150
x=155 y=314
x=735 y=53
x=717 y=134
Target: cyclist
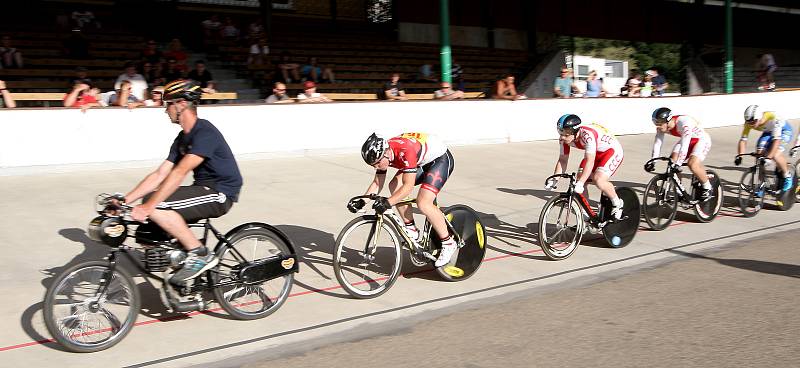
x=200 y=148
x=693 y=145
x=419 y=159
x=603 y=155
x=776 y=134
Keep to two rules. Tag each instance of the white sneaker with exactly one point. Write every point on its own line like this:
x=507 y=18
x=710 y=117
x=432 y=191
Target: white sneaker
x=448 y=249
x=412 y=232
x=616 y=211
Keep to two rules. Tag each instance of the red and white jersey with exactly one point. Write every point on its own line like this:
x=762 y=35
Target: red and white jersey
x=686 y=128
x=592 y=138
x=412 y=150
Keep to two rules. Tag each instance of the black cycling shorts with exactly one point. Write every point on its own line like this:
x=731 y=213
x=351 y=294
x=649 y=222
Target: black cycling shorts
x=196 y=202
x=434 y=174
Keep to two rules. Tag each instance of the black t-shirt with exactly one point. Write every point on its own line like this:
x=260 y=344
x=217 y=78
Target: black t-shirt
x=201 y=78
x=219 y=169
x=394 y=89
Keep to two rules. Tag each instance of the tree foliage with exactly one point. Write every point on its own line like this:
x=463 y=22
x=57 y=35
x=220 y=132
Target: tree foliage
x=640 y=55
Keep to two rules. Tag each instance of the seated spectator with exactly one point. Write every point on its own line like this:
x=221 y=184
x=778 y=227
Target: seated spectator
x=229 y=30
x=426 y=73
x=176 y=52
x=647 y=86
x=124 y=96
x=150 y=74
x=563 y=85
x=84 y=19
x=10 y=57
x=447 y=93
x=633 y=86
x=310 y=94
x=156 y=97
x=766 y=67
x=594 y=86
x=82 y=95
x=504 y=89
x=659 y=83
x=171 y=72
x=255 y=31
x=314 y=72
x=151 y=54
x=393 y=90
x=81 y=76
x=278 y=94
x=138 y=83
x=7 y=101
x=76 y=45
x=200 y=74
x=259 y=53
x=457 y=75
x=286 y=68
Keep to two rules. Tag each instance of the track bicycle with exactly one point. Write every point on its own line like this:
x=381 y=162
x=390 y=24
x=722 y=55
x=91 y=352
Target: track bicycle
x=761 y=179
x=793 y=154
x=666 y=191
x=566 y=217
x=368 y=257
x=93 y=305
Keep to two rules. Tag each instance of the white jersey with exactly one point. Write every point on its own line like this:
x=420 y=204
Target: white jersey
x=592 y=138
x=687 y=129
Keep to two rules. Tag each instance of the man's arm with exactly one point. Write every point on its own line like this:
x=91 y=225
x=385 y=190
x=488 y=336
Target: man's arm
x=7 y=99
x=405 y=189
x=168 y=186
x=150 y=182
x=587 y=169
x=73 y=95
x=376 y=185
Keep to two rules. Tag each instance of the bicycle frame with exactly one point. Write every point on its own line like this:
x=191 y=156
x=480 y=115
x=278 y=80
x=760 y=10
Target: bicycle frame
x=583 y=202
x=760 y=173
x=675 y=180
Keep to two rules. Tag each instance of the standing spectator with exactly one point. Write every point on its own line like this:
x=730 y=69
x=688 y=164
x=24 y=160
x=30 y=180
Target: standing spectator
x=504 y=89
x=229 y=30
x=7 y=100
x=594 y=86
x=310 y=94
x=659 y=83
x=124 y=96
x=83 y=96
x=10 y=57
x=447 y=93
x=647 y=86
x=563 y=85
x=175 y=51
x=156 y=97
x=211 y=27
x=76 y=45
x=633 y=86
x=151 y=54
x=287 y=68
x=138 y=83
x=259 y=53
x=171 y=72
x=766 y=70
x=200 y=74
x=393 y=90
x=278 y=94
x=314 y=72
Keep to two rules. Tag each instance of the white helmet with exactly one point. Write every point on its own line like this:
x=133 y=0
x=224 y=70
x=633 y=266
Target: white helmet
x=751 y=113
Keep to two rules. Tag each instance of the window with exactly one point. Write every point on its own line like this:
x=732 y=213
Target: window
x=614 y=69
x=583 y=70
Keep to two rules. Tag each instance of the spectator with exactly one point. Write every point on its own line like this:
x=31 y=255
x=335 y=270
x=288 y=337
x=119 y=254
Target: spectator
x=647 y=86
x=278 y=94
x=124 y=96
x=150 y=74
x=426 y=73
x=76 y=45
x=259 y=53
x=633 y=86
x=457 y=73
x=138 y=83
x=151 y=54
x=594 y=86
x=255 y=31
x=7 y=100
x=659 y=83
x=563 y=85
x=310 y=94
x=211 y=27
x=84 y=19
x=82 y=95
x=200 y=74
x=10 y=57
x=314 y=72
x=504 y=89
x=175 y=51
x=766 y=69
x=287 y=68
x=393 y=90
x=171 y=72
x=447 y=93
x=156 y=97
x=81 y=76
x=229 y=30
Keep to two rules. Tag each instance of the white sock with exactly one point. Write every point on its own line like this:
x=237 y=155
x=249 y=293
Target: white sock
x=616 y=202
x=706 y=185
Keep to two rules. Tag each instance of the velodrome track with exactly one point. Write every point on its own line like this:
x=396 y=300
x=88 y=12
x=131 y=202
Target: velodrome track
x=46 y=215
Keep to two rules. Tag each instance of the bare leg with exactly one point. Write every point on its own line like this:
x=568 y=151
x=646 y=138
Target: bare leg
x=698 y=169
x=173 y=223
x=601 y=181
x=432 y=212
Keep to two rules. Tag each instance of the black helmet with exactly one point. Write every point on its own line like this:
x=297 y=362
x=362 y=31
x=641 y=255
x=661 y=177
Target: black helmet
x=568 y=121
x=661 y=115
x=185 y=89
x=373 y=149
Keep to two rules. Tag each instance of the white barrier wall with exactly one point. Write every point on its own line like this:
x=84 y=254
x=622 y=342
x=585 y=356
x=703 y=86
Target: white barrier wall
x=54 y=137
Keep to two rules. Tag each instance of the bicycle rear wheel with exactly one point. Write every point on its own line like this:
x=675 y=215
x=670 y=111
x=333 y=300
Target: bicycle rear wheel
x=751 y=193
x=708 y=210
x=660 y=202
x=367 y=260
x=82 y=317
x=560 y=228
x=620 y=233
x=247 y=301
x=785 y=200
x=466 y=260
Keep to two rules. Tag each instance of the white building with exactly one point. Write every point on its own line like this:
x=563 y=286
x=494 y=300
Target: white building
x=614 y=73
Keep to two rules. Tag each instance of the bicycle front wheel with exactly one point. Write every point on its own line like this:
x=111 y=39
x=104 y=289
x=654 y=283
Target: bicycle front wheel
x=257 y=300
x=660 y=202
x=751 y=193
x=367 y=260
x=560 y=228
x=83 y=315
x=708 y=210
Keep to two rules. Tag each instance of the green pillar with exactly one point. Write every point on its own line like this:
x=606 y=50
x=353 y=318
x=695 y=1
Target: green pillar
x=445 y=54
x=728 y=47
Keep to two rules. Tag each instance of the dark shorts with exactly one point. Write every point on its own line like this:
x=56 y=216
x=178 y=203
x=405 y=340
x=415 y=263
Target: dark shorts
x=196 y=202
x=434 y=174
